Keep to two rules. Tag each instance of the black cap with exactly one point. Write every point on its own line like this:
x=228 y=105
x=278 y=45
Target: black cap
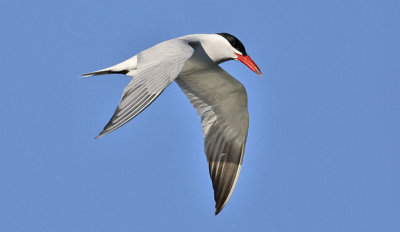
x=235 y=42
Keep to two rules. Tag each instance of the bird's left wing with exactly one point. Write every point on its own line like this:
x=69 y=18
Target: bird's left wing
x=157 y=67
x=221 y=102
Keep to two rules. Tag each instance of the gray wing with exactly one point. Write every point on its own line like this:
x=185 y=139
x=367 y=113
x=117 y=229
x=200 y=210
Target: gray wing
x=157 y=67
x=221 y=102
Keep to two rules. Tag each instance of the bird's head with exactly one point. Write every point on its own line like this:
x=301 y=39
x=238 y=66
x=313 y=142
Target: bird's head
x=233 y=49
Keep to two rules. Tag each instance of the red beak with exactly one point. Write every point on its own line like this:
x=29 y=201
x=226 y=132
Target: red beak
x=249 y=63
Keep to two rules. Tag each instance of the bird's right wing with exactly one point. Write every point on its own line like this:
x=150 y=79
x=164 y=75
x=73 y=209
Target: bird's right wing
x=221 y=102
x=157 y=67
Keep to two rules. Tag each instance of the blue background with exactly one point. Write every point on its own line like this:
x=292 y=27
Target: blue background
x=323 y=151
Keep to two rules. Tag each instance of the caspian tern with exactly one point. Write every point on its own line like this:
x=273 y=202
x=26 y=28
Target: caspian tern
x=219 y=99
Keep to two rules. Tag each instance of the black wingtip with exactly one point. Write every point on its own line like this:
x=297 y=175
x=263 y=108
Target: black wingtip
x=100 y=135
x=87 y=75
x=104 y=72
x=218 y=210
x=219 y=206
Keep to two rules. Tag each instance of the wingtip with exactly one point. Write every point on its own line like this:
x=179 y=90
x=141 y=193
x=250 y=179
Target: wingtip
x=87 y=75
x=99 y=135
x=104 y=71
x=219 y=207
x=217 y=211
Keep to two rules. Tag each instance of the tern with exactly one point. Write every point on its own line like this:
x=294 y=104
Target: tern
x=219 y=99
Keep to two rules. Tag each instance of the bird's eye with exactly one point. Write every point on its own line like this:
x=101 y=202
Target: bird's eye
x=235 y=46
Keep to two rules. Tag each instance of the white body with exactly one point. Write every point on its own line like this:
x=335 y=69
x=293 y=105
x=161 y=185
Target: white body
x=216 y=47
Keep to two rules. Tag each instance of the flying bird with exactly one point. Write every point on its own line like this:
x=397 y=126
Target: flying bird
x=219 y=99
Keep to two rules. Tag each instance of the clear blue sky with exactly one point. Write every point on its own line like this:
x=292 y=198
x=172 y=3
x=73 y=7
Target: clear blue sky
x=323 y=151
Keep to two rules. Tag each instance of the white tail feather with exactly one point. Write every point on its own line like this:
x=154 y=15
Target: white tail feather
x=125 y=67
